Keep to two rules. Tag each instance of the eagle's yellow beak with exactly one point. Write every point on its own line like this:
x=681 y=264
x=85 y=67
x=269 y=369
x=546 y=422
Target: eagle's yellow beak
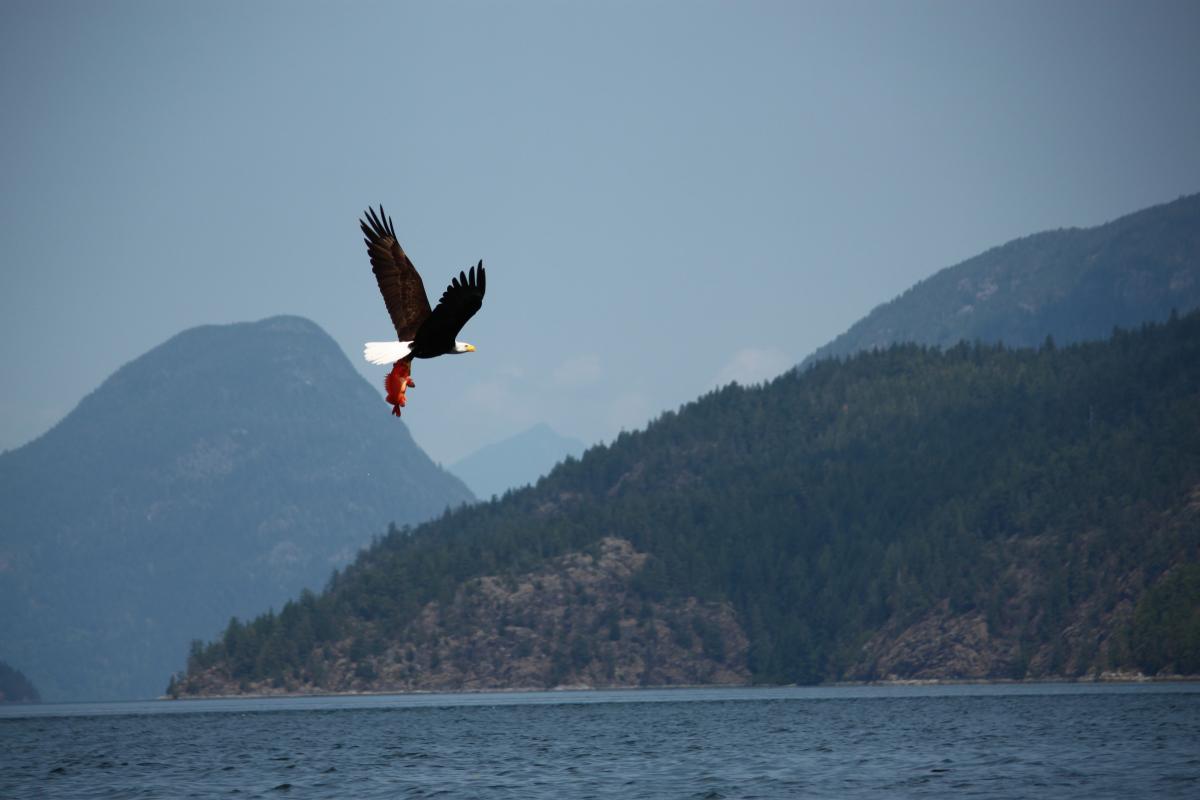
x=470 y=348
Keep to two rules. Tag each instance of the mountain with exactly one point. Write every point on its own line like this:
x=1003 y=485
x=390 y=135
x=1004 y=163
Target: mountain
x=516 y=461
x=975 y=512
x=216 y=475
x=1073 y=285
x=15 y=687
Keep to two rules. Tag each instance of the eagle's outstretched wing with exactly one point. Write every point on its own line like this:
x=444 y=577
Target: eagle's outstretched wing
x=458 y=303
x=401 y=286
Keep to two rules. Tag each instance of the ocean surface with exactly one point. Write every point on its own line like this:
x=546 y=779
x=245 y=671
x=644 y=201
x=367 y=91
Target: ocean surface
x=1009 y=741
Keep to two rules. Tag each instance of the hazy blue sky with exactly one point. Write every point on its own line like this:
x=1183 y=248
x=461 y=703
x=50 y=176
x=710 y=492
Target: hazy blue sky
x=666 y=195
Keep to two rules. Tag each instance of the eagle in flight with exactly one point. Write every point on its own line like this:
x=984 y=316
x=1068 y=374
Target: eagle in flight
x=420 y=331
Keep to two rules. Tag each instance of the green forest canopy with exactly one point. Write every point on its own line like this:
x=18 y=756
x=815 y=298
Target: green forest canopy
x=831 y=500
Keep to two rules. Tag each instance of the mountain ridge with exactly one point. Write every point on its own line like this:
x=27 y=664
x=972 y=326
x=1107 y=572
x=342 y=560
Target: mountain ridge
x=1072 y=284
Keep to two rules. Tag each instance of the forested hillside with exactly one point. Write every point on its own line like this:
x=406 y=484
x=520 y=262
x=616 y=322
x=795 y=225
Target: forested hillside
x=911 y=512
x=1073 y=284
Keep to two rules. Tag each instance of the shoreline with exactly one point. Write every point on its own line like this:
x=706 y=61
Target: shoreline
x=1103 y=678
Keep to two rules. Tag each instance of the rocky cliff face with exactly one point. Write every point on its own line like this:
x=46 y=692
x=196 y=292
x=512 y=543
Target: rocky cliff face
x=572 y=623
x=1091 y=636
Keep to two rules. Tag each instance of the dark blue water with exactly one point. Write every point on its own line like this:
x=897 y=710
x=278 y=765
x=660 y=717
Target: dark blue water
x=1056 y=741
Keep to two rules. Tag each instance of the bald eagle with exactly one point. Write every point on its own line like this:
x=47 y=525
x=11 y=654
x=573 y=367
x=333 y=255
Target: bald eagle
x=420 y=332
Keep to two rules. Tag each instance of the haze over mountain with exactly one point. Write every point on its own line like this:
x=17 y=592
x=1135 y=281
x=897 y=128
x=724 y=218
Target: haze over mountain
x=1072 y=284
x=15 y=687
x=216 y=475
x=516 y=461
x=976 y=512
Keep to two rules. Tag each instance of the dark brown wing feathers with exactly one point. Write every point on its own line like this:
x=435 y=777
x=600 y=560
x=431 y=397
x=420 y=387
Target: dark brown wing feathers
x=462 y=298
x=402 y=289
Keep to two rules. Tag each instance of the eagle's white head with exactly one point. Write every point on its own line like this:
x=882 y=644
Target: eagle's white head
x=463 y=347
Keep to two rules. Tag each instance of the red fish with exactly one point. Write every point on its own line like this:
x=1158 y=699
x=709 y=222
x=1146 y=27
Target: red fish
x=397 y=384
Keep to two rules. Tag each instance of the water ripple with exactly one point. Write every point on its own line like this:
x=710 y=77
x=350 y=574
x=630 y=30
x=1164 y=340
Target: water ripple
x=710 y=744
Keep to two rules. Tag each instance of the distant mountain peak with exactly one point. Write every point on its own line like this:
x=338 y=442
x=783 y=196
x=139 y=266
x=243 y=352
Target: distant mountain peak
x=516 y=461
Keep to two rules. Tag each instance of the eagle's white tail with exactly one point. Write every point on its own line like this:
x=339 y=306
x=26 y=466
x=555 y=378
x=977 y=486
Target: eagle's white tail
x=386 y=352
